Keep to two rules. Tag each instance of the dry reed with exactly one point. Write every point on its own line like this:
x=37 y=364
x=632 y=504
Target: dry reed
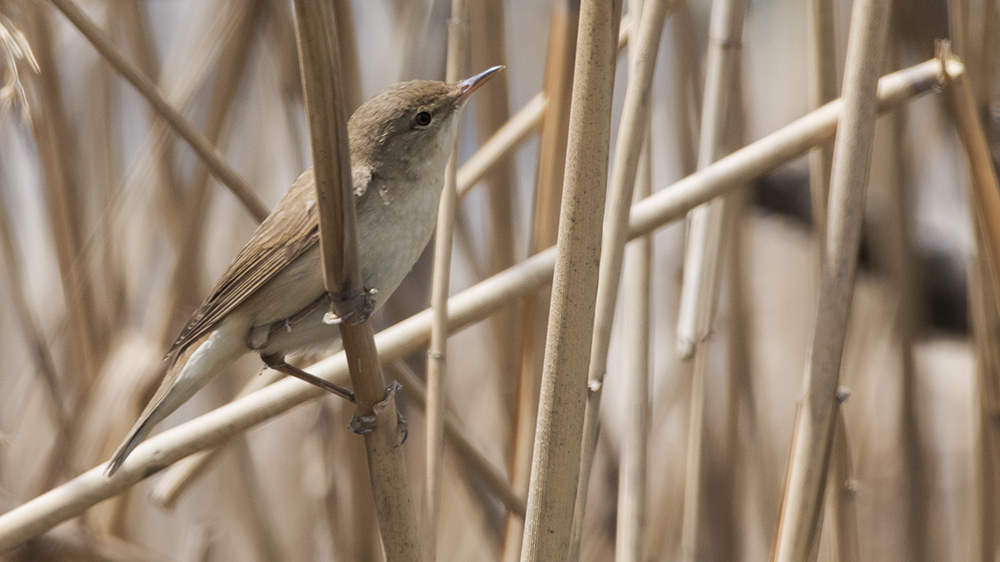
x=113 y=225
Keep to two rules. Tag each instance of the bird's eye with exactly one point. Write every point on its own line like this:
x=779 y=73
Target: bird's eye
x=422 y=119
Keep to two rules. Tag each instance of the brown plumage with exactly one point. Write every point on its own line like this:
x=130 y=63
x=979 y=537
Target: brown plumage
x=267 y=301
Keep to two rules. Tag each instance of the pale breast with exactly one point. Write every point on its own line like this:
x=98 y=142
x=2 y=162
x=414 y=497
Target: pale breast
x=393 y=232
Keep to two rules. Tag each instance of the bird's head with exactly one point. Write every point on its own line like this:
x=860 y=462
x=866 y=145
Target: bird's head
x=411 y=125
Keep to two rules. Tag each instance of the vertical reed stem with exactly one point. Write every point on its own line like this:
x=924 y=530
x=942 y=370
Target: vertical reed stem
x=556 y=464
x=699 y=293
x=798 y=522
x=319 y=58
x=458 y=47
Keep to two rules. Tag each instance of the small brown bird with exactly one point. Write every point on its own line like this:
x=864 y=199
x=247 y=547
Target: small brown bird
x=271 y=298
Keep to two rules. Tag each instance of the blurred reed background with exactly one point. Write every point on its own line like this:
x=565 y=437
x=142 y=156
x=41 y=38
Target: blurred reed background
x=113 y=229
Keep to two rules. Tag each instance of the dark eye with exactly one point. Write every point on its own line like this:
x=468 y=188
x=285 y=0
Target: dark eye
x=422 y=119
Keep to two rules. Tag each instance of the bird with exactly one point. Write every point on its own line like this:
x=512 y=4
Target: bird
x=271 y=300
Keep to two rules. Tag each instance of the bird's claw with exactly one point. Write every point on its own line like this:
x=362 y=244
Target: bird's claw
x=363 y=425
x=359 y=304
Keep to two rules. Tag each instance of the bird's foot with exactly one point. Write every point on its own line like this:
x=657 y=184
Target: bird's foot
x=277 y=362
x=363 y=425
x=356 y=306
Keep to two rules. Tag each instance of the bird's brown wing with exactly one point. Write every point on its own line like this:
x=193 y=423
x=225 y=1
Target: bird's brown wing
x=291 y=229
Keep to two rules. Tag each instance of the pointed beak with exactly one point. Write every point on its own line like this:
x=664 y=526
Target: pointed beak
x=469 y=85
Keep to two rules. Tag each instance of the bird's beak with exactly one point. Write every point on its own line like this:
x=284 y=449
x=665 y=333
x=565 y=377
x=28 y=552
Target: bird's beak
x=469 y=85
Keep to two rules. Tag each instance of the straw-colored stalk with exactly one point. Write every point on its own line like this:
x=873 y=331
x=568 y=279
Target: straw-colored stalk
x=631 y=133
x=984 y=184
x=349 y=61
x=700 y=287
x=700 y=284
x=548 y=190
x=631 y=516
x=990 y=51
x=202 y=147
x=458 y=47
x=798 y=521
x=557 y=453
x=958 y=26
x=492 y=113
x=557 y=89
x=823 y=86
x=688 y=107
x=488 y=25
x=841 y=516
x=632 y=483
x=748 y=468
x=893 y=251
x=464 y=309
x=319 y=59
x=984 y=537
x=985 y=200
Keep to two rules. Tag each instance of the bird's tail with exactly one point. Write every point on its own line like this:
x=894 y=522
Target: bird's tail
x=188 y=371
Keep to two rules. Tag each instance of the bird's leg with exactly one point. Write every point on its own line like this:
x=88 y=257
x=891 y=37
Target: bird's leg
x=277 y=362
x=347 y=305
